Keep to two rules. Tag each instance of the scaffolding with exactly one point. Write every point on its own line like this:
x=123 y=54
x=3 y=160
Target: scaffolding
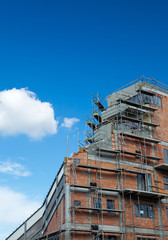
x=133 y=149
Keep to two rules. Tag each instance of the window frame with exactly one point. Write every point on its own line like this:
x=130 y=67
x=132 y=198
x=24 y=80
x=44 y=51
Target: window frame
x=167 y=212
x=112 y=238
x=77 y=203
x=165 y=182
x=144 y=211
x=98 y=237
x=96 y=202
x=140 y=238
x=166 y=155
x=144 y=182
x=143 y=98
x=113 y=206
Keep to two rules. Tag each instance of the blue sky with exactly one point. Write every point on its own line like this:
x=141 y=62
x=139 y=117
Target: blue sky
x=63 y=51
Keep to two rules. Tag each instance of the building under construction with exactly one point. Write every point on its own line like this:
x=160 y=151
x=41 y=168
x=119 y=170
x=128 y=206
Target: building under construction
x=116 y=186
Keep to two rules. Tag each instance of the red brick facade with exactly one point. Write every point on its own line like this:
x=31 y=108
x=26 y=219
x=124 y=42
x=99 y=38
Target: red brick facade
x=97 y=181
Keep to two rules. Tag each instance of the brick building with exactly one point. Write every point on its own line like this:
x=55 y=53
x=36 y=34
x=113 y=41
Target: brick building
x=116 y=186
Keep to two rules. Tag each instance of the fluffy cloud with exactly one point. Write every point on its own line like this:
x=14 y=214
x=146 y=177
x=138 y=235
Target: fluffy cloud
x=15 y=208
x=22 y=113
x=69 y=122
x=13 y=168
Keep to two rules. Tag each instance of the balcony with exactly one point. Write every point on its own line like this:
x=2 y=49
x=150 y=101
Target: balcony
x=147 y=194
x=162 y=166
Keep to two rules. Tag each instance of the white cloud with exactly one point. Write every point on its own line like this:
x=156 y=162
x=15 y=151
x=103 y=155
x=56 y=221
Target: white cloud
x=22 y=113
x=15 y=208
x=69 y=122
x=13 y=168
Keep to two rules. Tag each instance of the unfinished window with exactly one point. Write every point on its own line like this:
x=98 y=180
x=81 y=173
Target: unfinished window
x=148 y=182
x=144 y=211
x=77 y=203
x=97 y=202
x=93 y=184
x=94 y=227
x=166 y=155
x=165 y=180
x=76 y=161
x=139 y=238
x=141 y=181
x=98 y=238
x=144 y=98
x=110 y=205
x=144 y=182
x=136 y=99
x=157 y=101
x=112 y=238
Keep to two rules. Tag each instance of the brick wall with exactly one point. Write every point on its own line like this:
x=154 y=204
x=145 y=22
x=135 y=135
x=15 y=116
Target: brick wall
x=104 y=179
x=55 y=223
